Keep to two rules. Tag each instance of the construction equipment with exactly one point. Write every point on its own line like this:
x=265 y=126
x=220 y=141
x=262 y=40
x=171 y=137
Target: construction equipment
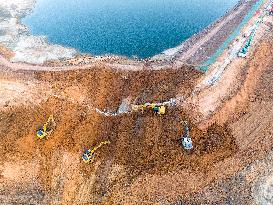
x=186 y=139
x=47 y=128
x=158 y=108
x=89 y=155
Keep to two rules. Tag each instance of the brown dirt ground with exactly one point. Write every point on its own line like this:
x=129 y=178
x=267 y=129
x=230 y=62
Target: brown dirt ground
x=144 y=164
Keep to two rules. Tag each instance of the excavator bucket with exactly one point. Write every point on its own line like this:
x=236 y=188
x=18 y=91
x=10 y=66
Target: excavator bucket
x=135 y=108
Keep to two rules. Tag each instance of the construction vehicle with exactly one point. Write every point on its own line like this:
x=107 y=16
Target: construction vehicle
x=89 y=155
x=158 y=108
x=186 y=139
x=47 y=128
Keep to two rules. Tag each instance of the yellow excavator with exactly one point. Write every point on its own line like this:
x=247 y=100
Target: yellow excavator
x=47 y=128
x=89 y=155
x=157 y=108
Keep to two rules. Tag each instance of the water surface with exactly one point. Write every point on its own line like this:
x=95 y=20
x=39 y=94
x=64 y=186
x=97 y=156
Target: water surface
x=140 y=28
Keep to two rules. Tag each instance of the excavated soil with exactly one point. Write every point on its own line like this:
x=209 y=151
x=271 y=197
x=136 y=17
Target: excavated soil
x=141 y=143
x=145 y=162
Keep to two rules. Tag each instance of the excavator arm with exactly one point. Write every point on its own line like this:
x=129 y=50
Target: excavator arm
x=100 y=145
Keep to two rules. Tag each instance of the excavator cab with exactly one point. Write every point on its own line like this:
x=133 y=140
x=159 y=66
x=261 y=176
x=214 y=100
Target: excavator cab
x=41 y=133
x=89 y=155
x=46 y=129
x=161 y=110
x=186 y=139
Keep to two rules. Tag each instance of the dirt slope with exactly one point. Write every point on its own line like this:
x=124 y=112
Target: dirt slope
x=144 y=164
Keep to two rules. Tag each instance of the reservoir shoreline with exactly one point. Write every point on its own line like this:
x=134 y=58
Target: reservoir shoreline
x=37 y=50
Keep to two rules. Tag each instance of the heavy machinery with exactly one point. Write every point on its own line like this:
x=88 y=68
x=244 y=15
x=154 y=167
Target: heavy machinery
x=158 y=108
x=89 y=155
x=186 y=139
x=47 y=128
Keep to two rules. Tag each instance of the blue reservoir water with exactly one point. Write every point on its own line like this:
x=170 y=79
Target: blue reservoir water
x=140 y=28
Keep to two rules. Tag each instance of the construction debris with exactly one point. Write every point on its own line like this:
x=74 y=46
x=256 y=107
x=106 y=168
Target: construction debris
x=244 y=50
